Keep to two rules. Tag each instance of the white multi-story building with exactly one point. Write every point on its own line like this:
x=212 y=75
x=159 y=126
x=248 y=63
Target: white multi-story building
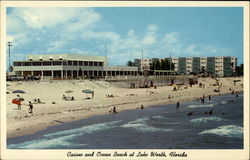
x=218 y=66
x=63 y=66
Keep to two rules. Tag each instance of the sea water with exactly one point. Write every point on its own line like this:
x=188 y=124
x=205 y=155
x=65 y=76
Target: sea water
x=159 y=127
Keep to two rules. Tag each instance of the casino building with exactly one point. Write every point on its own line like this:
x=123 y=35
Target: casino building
x=66 y=66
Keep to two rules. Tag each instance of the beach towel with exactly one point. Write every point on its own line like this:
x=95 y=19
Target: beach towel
x=16 y=101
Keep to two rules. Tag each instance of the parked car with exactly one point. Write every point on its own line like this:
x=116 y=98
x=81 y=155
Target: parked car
x=14 y=78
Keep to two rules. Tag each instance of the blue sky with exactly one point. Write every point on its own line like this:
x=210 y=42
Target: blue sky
x=183 y=31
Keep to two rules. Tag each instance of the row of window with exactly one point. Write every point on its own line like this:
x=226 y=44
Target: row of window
x=59 y=63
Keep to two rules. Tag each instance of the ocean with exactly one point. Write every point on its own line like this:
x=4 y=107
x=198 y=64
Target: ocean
x=158 y=127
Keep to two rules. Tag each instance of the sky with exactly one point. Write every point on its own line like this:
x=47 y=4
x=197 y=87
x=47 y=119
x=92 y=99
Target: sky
x=126 y=31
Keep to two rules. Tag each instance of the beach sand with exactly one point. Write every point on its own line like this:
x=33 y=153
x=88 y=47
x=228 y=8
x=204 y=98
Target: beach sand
x=21 y=122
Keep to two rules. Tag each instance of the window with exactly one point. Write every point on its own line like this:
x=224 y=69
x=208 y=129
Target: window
x=86 y=63
x=46 y=63
x=74 y=63
x=64 y=63
x=95 y=63
x=70 y=63
x=80 y=63
x=37 y=63
x=100 y=63
x=27 y=64
x=57 y=63
x=90 y=63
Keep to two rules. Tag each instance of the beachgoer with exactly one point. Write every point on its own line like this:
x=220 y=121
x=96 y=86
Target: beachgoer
x=178 y=106
x=38 y=100
x=19 y=104
x=210 y=112
x=151 y=83
x=174 y=89
x=190 y=113
x=169 y=97
x=237 y=95
x=233 y=91
x=200 y=85
x=142 y=106
x=30 y=107
x=93 y=93
x=114 y=110
x=209 y=97
x=64 y=97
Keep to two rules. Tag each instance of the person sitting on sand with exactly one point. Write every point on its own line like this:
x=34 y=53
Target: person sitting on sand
x=64 y=97
x=169 y=97
x=30 y=107
x=174 y=89
x=114 y=110
x=142 y=106
x=39 y=101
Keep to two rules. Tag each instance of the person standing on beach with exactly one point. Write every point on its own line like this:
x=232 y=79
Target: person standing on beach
x=30 y=107
x=93 y=93
x=209 y=97
x=19 y=102
x=178 y=106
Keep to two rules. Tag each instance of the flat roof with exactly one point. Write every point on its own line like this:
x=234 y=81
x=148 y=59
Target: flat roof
x=73 y=57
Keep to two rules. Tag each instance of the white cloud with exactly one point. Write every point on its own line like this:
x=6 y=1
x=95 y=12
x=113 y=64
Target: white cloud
x=109 y=35
x=57 y=46
x=171 y=38
x=192 y=50
x=150 y=37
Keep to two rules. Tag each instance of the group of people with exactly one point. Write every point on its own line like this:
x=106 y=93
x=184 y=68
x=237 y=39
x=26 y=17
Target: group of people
x=18 y=100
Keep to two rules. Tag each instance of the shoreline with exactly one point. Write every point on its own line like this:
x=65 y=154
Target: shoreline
x=101 y=106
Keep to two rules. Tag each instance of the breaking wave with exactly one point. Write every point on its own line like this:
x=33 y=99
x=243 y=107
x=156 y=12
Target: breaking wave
x=86 y=129
x=47 y=143
x=201 y=105
x=227 y=131
x=141 y=125
x=206 y=120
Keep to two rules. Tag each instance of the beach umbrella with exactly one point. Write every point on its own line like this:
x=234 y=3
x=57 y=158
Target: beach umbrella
x=69 y=91
x=87 y=91
x=18 y=91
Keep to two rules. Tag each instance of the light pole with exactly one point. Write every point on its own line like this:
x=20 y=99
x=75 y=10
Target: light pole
x=9 y=45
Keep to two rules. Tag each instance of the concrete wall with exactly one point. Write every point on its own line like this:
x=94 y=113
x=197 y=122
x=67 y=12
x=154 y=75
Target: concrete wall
x=157 y=81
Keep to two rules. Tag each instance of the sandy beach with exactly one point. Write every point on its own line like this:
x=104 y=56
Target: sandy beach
x=45 y=114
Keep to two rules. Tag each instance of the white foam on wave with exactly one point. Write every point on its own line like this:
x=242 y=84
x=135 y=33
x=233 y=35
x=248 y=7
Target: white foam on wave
x=48 y=143
x=86 y=129
x=227 y=131
x=63 y=138
x=141 y=125
x=159 y=117
x=223 y=102
x=206 y=120
x=201 y=105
